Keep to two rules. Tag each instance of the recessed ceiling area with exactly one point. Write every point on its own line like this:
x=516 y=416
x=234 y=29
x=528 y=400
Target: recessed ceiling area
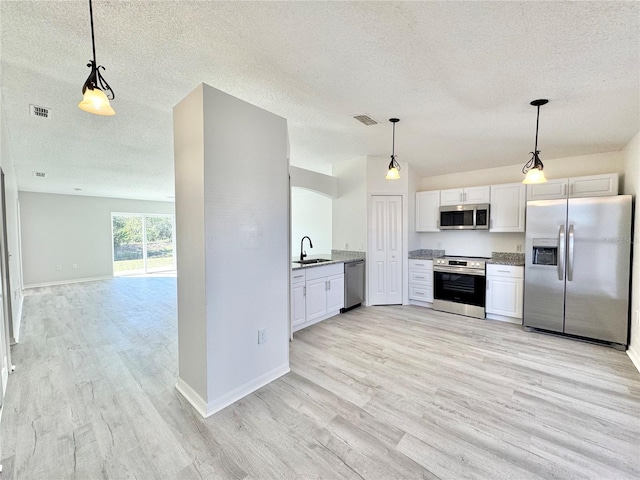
x=459 y=75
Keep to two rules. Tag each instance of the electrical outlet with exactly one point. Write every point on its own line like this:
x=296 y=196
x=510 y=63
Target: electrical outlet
x=346 y=246
x=262 y=335
x=75 y=266
x=518 y=247
x=58 y=267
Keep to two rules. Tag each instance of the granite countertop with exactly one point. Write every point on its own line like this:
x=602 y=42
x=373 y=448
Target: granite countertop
x=425 y=254
x=336 y=256
x=505 y=258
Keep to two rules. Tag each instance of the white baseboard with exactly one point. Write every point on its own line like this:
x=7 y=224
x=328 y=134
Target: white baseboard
x=635 y=357
x=16 y=326
x=65 y=282
x=502 y=318
x=207 y=409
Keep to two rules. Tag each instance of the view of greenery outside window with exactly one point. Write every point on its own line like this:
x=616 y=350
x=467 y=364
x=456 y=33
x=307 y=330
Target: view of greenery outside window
x=142 y=244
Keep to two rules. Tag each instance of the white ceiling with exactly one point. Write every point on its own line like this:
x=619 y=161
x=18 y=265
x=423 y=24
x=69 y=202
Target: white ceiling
x=459 y=75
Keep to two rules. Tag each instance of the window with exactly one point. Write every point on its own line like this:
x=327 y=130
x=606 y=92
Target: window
x=142 y=243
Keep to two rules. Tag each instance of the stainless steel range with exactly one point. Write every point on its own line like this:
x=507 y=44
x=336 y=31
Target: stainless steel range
x=460 y=285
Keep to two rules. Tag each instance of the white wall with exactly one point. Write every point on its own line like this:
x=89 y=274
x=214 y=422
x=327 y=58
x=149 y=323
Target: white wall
x=311 y=214
x=593 y=164
x=240 y=233
x=310 y=180
x=349 y=230
x=631 y=186
x=71 y=229
x=472 y=243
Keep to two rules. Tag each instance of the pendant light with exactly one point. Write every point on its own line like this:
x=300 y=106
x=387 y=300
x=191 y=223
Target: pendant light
x=533 y=168
x=96 y=91
x=394 y=166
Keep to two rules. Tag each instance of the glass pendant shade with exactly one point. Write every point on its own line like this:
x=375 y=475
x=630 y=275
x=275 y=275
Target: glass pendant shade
x=534 y=176
x=393 y=174
x=95 y=101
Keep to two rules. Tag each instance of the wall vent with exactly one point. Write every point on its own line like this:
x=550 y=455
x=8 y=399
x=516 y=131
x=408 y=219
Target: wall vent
x=39 y=174
x=366 y=119
x=42 y=112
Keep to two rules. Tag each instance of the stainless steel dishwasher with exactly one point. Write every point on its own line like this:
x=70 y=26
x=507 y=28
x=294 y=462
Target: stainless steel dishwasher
x=354 y=285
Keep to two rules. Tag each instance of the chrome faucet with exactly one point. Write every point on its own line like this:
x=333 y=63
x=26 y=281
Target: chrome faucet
x=302 y=252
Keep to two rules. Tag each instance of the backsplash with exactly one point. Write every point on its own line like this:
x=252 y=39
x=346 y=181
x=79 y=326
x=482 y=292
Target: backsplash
x=425 y=253
x=348 y=254
x=508 y=258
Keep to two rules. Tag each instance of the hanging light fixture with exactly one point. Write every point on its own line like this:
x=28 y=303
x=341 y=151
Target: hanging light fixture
x=533 y=168
x=96 y=91
x=394 y=166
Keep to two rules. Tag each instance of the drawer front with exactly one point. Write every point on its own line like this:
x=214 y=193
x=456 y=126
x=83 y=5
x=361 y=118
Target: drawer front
x=423 y=294
x=423 y=277
x=324 y=270
x=420 y=265
x=511 y=271
x=298 y=276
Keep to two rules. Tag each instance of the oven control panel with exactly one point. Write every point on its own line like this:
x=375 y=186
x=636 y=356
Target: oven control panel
x=474 y=263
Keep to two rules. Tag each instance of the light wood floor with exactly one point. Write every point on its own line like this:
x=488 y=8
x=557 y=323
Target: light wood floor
x=378 y=393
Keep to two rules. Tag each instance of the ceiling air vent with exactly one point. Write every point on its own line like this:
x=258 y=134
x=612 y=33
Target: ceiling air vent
x=42 y=112
x=366 y=119
x=39 y=174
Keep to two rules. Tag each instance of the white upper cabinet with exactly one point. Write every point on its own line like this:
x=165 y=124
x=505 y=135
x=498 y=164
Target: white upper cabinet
x=588 y=186
x=462 y=196
x=427 y=211
x=508 y=203
x=473 y=195
x=593 y=186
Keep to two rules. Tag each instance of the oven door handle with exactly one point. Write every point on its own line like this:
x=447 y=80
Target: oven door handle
x=463 y=271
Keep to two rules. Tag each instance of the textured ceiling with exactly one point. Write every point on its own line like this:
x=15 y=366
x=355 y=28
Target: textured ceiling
x=459 y=75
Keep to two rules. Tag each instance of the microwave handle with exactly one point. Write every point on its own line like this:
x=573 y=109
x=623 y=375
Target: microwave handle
x=475 y=212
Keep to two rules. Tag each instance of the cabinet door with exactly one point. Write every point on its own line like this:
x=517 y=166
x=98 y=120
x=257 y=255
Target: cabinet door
x=427 y=211
x=594 y=185
x=504 y=296
x=316 y=298
x=475 y=195
x=551 y=190
x=297 y=304
x=453 y=196
x=508 y=203
x=335 y=293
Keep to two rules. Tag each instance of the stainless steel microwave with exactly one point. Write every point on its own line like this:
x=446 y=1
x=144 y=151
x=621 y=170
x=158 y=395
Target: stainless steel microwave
x=464 y=217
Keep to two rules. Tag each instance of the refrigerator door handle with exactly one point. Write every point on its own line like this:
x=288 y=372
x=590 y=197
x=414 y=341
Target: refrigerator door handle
x=561 y=253
x=570 y=255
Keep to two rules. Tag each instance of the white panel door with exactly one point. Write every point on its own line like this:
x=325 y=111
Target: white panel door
x=427 y=211
x=474 y=195
x=508 y=204
x=453 y=196
x=316 y=298
x=297 y=304
x=550 y=190
x=335 y=293
x=385 y=230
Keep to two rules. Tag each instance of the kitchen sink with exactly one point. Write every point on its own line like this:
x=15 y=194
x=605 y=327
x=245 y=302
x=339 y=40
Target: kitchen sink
x=311 y=261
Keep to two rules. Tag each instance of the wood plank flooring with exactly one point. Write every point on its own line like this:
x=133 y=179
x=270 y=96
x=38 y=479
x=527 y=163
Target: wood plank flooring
x=377 y=393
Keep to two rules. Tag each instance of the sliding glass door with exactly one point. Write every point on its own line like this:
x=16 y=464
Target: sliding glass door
x=142 y=243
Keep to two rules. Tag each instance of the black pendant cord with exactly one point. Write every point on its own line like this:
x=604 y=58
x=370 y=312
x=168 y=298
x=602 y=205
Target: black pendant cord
x=394 y=163
x=535 y=161
x=95 y=79
x=93 y=39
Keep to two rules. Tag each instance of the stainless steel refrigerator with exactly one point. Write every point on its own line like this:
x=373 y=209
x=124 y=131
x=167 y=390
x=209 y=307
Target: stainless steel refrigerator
x=577 y=267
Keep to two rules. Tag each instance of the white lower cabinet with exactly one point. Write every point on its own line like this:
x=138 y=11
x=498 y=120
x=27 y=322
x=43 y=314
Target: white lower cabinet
x=421 y=282
x=317 y=293
x=505 y=292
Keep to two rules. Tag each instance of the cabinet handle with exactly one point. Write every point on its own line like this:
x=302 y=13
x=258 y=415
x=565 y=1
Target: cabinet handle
x=419 y=264
x=328 y=285
x=491 y=224
x=419 y=277
x=572 y=185
x=297 y=276
x=564 y=190
x=504 y=271
x=304 y=291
